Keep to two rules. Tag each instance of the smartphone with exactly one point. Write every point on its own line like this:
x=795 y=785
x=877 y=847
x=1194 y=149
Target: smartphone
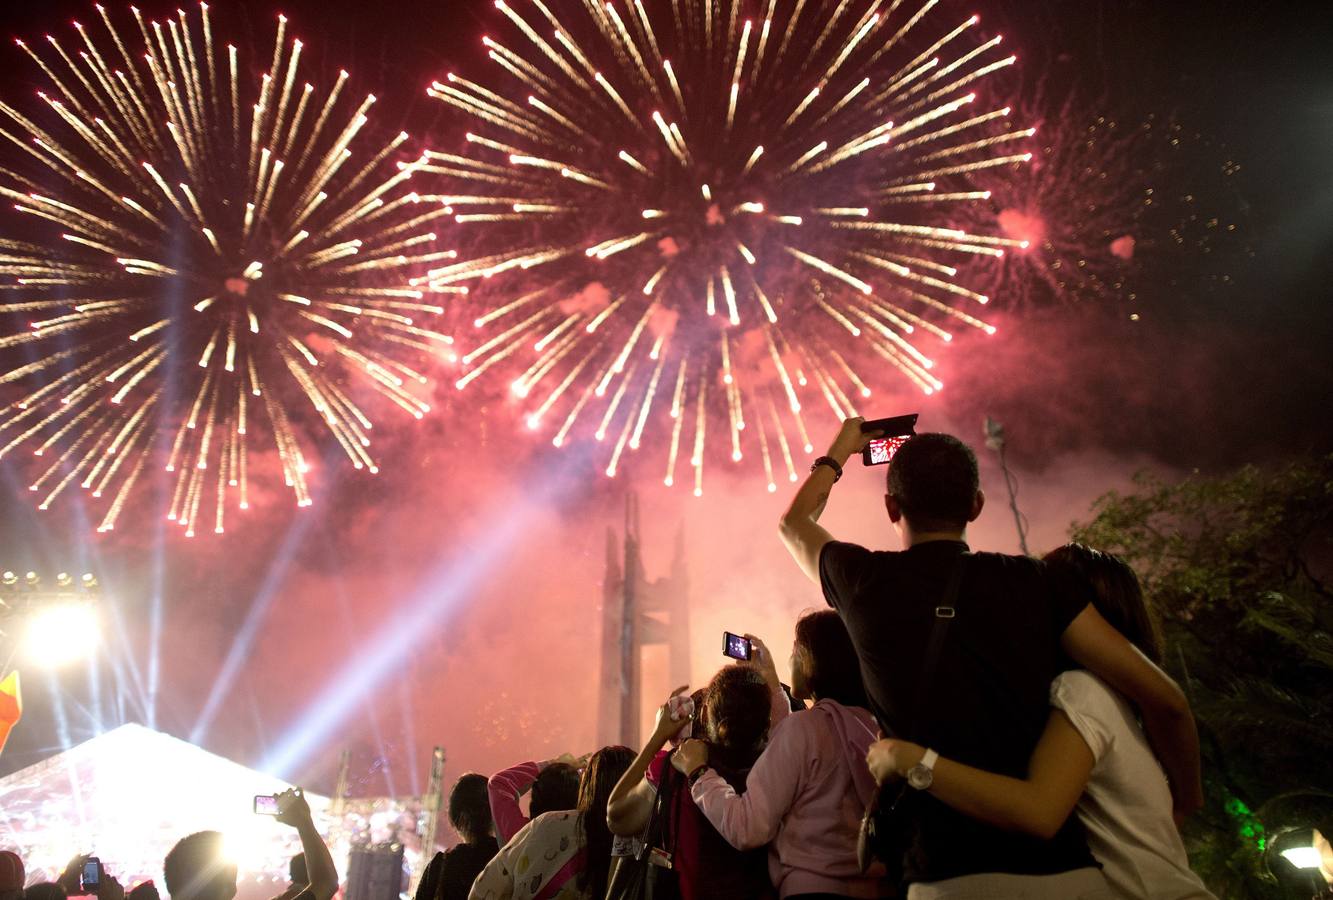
x=894 y=432
x=266 y=804
x=90 y=879
x=735 y=646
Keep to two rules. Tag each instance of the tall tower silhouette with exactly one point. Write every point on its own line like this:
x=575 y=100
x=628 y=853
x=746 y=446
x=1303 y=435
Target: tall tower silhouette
x=637 y=613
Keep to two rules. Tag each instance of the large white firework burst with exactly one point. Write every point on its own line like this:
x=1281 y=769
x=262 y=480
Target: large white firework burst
x=723 y=211
x=213 y=261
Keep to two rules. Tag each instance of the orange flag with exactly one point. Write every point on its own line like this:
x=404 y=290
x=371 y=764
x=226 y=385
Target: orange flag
x=11 y=705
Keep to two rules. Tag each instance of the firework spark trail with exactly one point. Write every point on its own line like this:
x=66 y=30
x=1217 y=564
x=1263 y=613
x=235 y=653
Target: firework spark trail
x=232 y=236
x=1103 y=194
x=772 y=200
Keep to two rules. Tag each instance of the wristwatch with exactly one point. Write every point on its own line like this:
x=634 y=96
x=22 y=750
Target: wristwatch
x=922 y=775
x=831 y=463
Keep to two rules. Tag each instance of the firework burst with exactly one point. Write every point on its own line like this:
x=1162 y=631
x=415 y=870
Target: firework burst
x=683 y=213
x=214 y=260
x=1103 y=195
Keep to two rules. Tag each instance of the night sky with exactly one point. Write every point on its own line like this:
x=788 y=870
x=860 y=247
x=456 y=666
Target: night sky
x=1210 y=376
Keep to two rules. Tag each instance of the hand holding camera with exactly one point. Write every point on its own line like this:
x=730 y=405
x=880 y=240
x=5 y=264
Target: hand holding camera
x=85 y=875
x=751 y=651
x=289 y=807
x=674 y=715
x=876 y=440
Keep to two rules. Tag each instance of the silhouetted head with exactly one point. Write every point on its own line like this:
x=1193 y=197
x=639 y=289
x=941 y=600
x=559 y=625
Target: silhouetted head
x=296 y=870
x=599 y=779
x=470 y=808
x=45 y=890
x=556 y=788
x=933 y=484
x=197 y=868
x=12 y=876
x=823 y=661
x=1116 y=594
x=739 y=708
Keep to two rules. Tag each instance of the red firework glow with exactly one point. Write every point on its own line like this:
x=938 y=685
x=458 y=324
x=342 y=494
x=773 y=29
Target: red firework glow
x=677 y=217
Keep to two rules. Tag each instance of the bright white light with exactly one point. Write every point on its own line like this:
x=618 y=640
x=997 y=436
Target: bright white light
x=62 y=634
x=1302 y=857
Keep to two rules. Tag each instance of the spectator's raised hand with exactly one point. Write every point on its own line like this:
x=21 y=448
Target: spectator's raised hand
x=72 y=878
x=668 y=727
x=850 y=440
x=293 y=809
x=762 y=661
x=109 y=888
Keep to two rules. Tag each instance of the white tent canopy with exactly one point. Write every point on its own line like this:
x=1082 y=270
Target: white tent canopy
x=128 y=795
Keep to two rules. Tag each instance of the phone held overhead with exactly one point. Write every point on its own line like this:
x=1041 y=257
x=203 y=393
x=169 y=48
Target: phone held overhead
x=736 y=646
x=893 y=433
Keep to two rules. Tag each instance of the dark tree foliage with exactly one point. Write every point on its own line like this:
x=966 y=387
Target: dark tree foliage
x=1240 y=571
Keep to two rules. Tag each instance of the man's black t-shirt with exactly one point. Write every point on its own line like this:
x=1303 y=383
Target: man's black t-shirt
x=990 y=698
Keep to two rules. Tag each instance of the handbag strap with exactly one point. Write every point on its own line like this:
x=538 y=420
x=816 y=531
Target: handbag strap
x=945 y=613
x=655 y=832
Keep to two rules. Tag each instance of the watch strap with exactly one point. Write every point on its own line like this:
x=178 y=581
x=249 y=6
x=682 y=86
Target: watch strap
x=929 y=758
x=831 y=463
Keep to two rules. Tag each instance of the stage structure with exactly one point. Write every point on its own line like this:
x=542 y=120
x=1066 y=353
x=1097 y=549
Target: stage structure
x=374 y=828
x=130 y=793
x=638 y=613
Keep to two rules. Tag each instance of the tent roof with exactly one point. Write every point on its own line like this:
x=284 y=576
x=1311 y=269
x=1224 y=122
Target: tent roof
x=128 y=795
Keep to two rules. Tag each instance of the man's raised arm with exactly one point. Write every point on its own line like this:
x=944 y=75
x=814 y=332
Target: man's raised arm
x=800 y=527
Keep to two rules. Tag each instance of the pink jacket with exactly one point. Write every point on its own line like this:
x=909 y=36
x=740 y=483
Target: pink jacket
x=805 y=796
x=504 y=789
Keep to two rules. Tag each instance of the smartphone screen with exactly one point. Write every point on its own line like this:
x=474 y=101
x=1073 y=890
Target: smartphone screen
x=92 y=874
x=735 y=646
x=266 y=805
x=881 y=450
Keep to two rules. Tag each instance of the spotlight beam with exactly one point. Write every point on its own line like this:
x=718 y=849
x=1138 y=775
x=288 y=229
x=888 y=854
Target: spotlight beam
x=443 y=590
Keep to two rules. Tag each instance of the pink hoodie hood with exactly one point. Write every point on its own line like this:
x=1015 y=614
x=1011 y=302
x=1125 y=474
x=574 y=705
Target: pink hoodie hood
x=856 y=730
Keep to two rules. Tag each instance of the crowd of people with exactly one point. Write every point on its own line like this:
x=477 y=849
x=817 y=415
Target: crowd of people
x=957 y=724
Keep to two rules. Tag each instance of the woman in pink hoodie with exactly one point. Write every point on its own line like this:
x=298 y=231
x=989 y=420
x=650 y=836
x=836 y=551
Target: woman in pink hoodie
x=806 y=794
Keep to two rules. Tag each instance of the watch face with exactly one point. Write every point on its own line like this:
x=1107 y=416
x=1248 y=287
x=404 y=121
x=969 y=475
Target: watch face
x=920 y=777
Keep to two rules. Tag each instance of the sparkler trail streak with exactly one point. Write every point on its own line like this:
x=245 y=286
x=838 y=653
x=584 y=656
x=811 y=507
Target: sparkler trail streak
x=757 y=212
x=1105 y=196
x=212 y=255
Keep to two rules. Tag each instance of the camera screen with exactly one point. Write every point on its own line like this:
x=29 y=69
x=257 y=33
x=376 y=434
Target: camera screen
x=736 y=647
x=266 y=805
x=91 y=872
x=880 y=451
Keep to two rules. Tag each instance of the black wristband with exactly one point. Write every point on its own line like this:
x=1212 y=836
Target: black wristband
x=831 y=463
x=694 y=776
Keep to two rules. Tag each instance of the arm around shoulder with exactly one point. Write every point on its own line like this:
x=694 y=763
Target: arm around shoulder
x=1092 y=643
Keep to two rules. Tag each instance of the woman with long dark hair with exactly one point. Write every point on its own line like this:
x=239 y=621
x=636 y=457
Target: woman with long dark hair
x=560 y=854
x=1093 y=757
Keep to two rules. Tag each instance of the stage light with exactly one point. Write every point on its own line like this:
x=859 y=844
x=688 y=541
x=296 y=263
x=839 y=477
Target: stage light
x=59 y=635
x=9 y=578
x=63 y=579
x=32 y=579
x=1302 y=857
x=88 y=580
